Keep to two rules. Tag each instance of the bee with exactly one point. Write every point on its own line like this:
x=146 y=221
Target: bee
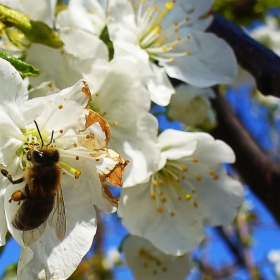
x=41 y=200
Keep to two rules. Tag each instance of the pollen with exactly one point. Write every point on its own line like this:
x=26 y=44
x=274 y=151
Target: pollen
x=157 y=8
x=75 y=145
x=78 y=173
x=160 y=209
x=212 y=172
x=188 y=196
x=153 y=196
x=164 y=48
x=163 y=200
x=173 y=46
x=179 y=39
x=216 y=177
x=195 y=160
x=155 y=182
x=60 y=106
x=198 y=178
x=184 y=169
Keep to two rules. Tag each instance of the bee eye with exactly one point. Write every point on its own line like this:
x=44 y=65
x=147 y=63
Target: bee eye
x=28 y=156
x=38 y=156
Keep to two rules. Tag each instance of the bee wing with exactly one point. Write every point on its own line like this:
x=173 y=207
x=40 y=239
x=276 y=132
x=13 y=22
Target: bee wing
x=57 y=218
x=31 y=236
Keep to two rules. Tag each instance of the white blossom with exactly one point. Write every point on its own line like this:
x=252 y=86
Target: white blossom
x=172 y=34
x=190 y=190
x=149 y=263
x=80 y=136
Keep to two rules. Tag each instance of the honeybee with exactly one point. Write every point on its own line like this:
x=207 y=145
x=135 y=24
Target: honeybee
x=41 y=199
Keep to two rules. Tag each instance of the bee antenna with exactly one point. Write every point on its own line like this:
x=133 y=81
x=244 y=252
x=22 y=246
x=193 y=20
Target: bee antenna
x=50 y=140
x=39 y=133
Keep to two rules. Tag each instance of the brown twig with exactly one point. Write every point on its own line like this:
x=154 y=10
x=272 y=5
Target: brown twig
x=260 y=61
x=252 y=163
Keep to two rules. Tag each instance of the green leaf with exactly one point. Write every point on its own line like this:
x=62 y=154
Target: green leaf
x=22 y=67
x=35 y=31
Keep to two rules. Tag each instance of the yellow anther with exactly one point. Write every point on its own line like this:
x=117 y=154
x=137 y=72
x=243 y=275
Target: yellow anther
x=195 y=204
x=143 y=1
x=157 y=8
x=149 y=9
x=155 y=182
x=179 y=39
x=173 y=46
x=175 y=23
x=188 y=36
x=188 y=52
x=96 y=94
x=188 y=196
x=160 y=209
x=179 y=198
x=115 y=123
x=216 y=177
x=75 y=145
x=193 y=191
x=153 y=196
x=212 y=172
x=198 y=178
x=176 y=30
x=163 y=200
x=78 y=172
x=171 y=59
x=184 y=169
x=169 y=5
x=187 y=19
x=172 y=214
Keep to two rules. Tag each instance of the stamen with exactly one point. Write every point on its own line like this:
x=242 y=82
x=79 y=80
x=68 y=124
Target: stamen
x=75 y=172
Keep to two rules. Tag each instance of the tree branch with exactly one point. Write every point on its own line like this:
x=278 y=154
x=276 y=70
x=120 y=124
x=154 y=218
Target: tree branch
x=260 y=61
x=252 y=163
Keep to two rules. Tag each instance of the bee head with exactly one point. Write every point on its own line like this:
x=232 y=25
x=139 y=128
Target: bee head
x=44 y=155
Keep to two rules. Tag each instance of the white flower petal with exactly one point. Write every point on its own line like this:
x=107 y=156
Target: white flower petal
x=210 y=61
x=147 y=262
x=176 y=234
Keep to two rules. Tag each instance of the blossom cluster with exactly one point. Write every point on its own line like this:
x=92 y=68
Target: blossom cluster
x=92 y=104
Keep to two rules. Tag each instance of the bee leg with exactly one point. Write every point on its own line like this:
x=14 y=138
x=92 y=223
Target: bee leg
x=8 y=175
x=18 y=196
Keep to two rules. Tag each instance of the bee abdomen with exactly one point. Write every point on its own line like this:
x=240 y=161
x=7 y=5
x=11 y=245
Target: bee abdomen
x=33 y=212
